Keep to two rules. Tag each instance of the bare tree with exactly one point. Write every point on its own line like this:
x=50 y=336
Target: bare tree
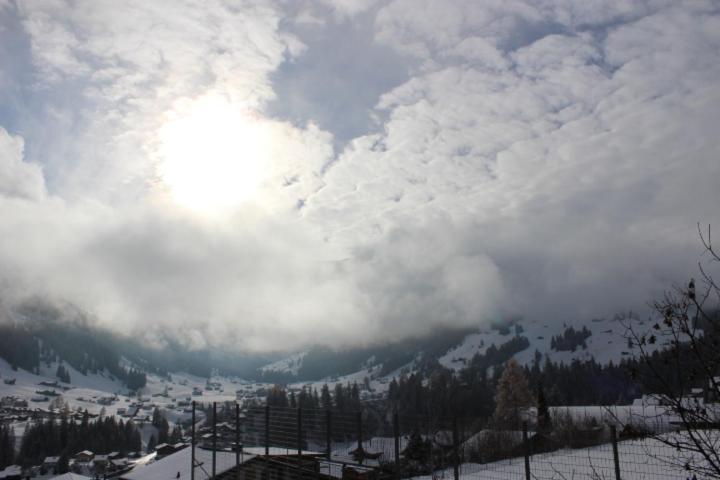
x=678 y=360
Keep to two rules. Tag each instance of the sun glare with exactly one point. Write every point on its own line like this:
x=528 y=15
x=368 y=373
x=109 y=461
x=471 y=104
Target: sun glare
x=213 y=155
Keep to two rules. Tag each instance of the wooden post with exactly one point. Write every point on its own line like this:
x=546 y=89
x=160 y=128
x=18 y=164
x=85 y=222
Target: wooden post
x=616 y=457
x=192 y=444
x=526 y=444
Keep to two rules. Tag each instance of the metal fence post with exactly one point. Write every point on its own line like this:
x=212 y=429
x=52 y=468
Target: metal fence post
x=456 y=455
x=396 y=434
x=299 y=442
x=616 y=457
x=266 y=475
x=299 y=431
x=328 y=433
x=214 y=435
x=237 y=440
x=359 y=435
x=192 y=444
x=267 y=430
x=526 y=444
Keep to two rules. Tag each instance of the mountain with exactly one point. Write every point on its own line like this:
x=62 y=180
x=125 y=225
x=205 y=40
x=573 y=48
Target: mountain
x=37 y=331
x=601 y=339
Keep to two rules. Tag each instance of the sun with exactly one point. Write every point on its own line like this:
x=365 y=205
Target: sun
x=213 y=155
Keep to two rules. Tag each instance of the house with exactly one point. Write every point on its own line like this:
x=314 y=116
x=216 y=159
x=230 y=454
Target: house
x=119 y=464
x=100 y=462
x=177 y=465
x=50 y=463
x=164 y=449
x=251 y=463
x=84 y=456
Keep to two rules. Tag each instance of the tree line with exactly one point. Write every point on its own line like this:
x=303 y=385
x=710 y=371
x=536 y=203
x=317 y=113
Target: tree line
x=67 y=437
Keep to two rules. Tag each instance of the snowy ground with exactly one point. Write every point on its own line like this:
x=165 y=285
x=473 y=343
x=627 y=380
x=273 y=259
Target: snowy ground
x=638 y=460
x=85 y=392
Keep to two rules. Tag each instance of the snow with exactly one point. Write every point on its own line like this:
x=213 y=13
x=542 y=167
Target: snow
x=291 y=364
x=70 y=476
x=179 y=462
x=639 y=460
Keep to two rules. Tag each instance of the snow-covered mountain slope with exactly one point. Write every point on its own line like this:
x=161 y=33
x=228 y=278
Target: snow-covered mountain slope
x=290 y=365
x=602 y=339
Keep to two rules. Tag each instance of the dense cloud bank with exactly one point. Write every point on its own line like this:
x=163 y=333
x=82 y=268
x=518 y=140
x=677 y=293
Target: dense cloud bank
x=543 y=159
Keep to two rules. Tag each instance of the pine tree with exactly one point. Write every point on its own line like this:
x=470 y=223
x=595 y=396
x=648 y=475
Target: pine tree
x=177 y=435
x=544 y=423
x=325 y=399
x=151 y=444
x=513 y=395
x=63 y=465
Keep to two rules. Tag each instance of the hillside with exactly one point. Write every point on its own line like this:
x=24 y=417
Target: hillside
x=602 y=340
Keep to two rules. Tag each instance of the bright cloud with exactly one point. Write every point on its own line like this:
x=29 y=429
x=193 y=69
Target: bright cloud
x=547 y=159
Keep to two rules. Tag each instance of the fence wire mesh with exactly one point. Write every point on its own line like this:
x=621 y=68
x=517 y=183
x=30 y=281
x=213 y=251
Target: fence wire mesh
x=284 y=443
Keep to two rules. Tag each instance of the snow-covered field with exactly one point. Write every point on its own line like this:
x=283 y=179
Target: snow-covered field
x=101 y=392
x=645 y=459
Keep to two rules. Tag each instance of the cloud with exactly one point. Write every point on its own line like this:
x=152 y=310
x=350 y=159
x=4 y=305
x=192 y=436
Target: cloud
x=18 y=179
x=545 y=159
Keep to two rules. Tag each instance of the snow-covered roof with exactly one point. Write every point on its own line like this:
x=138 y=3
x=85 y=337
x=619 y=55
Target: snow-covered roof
x=179 y=462
x=70 y=476
x=11 y=471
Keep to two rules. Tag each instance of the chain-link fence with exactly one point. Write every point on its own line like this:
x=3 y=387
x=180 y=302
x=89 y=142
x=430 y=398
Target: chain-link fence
x=266 y=443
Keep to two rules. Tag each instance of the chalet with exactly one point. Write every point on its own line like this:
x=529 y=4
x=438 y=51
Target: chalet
x=84 y=456
x=100 y=461
x=131 y=411
x=119 y=464
x=50 y=462
x=47 y=393
x=251 y=463
x=164 y=449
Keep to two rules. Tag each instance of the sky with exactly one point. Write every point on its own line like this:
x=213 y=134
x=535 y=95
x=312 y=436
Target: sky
x=271 y=174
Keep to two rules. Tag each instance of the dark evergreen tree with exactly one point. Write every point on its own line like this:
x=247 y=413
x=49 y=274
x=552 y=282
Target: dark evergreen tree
x=325 y=399
x=152 y=443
